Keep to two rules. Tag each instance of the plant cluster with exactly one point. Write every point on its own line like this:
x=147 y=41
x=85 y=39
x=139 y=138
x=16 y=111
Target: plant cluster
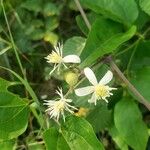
x=91 y=90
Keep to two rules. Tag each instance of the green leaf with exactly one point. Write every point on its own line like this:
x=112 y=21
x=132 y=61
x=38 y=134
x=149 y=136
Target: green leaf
x=75 y=134
x=80 y=22
x=50 y=9
x=141 y=59
x=100 y=118
x=128 y=121
x=145 y=6
x=32 y=5
x=74 y=45
x=141 y=79
x=13 y=113
x=8 y=145
x=54 y=140
x=105 y=37
x=124 y=11
x=37 y=34
x=117 y=138
x=51 y=23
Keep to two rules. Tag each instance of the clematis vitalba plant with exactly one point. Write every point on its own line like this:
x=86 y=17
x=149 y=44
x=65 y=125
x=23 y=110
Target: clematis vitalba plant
x=90 y=92
x=99 y=90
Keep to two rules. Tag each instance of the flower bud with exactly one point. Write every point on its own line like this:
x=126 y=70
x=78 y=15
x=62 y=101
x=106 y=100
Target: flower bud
x=71 y=78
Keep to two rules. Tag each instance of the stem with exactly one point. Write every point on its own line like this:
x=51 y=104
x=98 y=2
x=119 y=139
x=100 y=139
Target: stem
x=131 y=58
x=126 y=49
x=83 y=14
x=12 y=40
x=139 y=97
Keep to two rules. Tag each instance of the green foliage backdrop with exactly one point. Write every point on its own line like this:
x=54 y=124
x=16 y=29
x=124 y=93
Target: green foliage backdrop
x=106 y=35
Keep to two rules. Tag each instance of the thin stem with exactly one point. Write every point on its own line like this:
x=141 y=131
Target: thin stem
x=126 y=49
x=83 y=14
x=12 y=40
x=131 y=58
x=139 y=97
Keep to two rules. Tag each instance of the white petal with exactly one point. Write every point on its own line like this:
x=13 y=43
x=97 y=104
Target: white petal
x=90 y=75
x=93 y=99
x=71 y=59
x=107 y=78
x=84 y=91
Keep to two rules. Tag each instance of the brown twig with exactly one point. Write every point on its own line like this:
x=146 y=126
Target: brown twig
x=83 y=14
x=139 y=97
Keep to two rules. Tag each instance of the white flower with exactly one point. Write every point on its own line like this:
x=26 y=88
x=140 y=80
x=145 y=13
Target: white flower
x=99 y=89
x=56 y=57
x=57 y=108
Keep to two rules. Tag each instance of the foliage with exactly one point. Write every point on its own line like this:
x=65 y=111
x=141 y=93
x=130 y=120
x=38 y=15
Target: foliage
x=118 y=39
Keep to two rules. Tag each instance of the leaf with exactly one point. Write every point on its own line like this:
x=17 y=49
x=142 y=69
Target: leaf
x=51 y=23
x=118 y=139
x=145 y=6
x=50 y=9
x=105 y=37
x=141 y=59
x=100 y=118
x=8 y=145
x=13 y=113
x=54 y=140
x=123 y=11
x=80 y=22
x=37 y=34
x=74 y=45
x=75 y=134
x=140 y=79
x=128 y=121
x=32 y=5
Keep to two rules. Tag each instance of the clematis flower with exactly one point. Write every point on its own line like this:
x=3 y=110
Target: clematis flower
x=99 y=90
x=56 y=58
x=58 y=106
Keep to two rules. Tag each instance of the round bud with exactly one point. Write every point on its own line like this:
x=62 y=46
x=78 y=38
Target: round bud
x=71 y=78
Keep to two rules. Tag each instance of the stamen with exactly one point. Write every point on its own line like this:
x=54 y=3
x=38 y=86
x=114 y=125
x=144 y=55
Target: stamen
x=54 y=57
x=101 y=91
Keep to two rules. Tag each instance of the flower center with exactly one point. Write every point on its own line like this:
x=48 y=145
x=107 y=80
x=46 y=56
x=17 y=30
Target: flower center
x=55 y=57
x=59 y=105
x=101 y=91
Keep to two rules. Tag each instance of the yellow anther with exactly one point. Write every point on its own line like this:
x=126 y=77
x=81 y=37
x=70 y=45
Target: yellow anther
x=54 y=57
x=101 y=91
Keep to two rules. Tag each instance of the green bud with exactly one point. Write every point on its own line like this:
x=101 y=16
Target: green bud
x=71 y=78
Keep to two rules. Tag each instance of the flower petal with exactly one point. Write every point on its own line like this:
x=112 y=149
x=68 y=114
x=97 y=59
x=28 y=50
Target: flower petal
x=107 y=78
x=90 y=75
x=93 y=99
x=71 y=59
x=84 y=91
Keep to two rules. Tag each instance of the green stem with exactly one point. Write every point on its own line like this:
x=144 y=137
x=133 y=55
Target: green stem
x=131 y=58
x=126 y=49
x=12 y=40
